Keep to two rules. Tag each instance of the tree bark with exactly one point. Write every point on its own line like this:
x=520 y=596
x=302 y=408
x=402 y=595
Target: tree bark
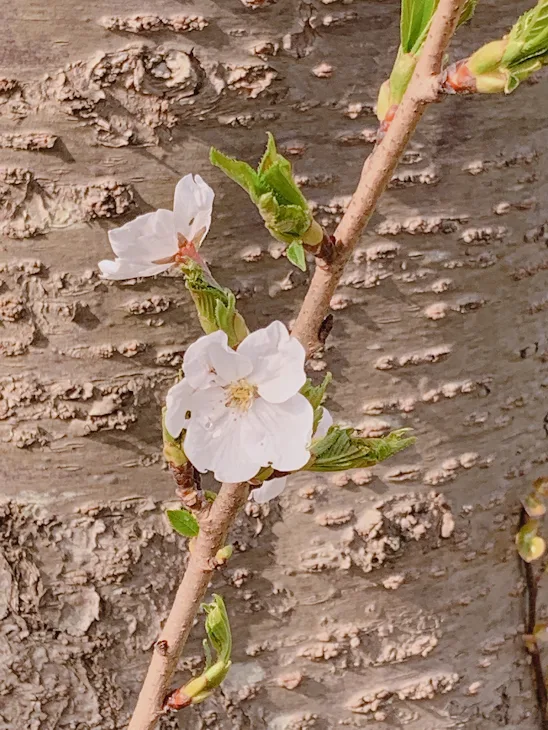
x=375 y=600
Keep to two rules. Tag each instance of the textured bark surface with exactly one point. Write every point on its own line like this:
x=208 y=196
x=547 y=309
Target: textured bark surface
x=388 y=598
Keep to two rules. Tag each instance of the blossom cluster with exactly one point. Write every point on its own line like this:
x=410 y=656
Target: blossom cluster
x=239 y=410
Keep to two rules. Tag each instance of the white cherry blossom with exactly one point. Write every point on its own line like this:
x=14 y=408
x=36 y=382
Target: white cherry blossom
x=242 y=409
x=274 y=487
x=154 y=242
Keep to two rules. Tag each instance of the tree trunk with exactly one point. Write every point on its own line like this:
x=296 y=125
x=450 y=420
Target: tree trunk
x=389 y=597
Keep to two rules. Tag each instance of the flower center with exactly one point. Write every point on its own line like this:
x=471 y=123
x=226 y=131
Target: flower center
x=241 y=395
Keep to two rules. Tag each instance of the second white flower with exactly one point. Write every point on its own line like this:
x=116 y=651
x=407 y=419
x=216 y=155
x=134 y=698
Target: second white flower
x=242 y=409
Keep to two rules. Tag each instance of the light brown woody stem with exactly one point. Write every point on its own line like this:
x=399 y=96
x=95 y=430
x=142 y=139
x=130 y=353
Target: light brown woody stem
x=377 y=172
x=216 y=521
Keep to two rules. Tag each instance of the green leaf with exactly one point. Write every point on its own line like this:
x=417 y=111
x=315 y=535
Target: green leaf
x=273 y=190
x=279 y=179
x=415 y=19
x=239 y=171
x=468 y=11
x=522 y=71
x=215 y=305
x=183 y=522
x=270 y=156
x=341 y=449
x=400 y=77
x=315 y=394
x=528 y=37
x=295 y=254
x=217 y=628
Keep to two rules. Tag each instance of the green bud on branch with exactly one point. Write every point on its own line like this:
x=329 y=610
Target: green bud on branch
x=219 y=635
x=216 y=305
x=416 y=17
x=500 y=66
x=282 y=206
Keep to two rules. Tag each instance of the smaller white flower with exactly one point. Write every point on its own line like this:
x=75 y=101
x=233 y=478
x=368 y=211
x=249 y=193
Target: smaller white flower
x=242 y=409
x=154 y=242
x=272 y=488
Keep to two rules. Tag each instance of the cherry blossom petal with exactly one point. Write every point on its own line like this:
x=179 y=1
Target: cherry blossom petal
x=148 y=238
x=192 y=207
x=179 y=403
x=214 y=439
x=326 y=421
x=121 y=269
x=277 y=434
x=269 y=490
x=210 y=361
x=278 y=362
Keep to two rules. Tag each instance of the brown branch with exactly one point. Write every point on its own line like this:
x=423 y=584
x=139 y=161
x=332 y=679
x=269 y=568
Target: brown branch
x=377 y=172
x=215 y=521
x=531 y=583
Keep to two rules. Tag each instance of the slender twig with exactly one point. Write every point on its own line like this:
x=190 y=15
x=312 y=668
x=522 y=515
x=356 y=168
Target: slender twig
x=531 y=583
x=215 y=521
x=377 y=172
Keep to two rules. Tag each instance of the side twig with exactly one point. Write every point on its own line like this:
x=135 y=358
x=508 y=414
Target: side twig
x=377 y=172
x=531 y=585
x=215 y=521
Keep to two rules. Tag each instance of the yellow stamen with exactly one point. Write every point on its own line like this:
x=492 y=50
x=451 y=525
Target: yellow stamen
x=241 y=395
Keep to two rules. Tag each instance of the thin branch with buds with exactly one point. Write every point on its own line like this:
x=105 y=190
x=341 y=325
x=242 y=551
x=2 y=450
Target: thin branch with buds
x=216 y=519
x=377 y=172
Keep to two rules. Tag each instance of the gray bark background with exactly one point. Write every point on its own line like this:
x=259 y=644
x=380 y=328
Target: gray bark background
x=388 y=598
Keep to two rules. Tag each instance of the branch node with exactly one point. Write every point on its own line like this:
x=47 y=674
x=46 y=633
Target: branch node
x=176 y=700
x=161 y=647
x=325 y=328
x=189 y=487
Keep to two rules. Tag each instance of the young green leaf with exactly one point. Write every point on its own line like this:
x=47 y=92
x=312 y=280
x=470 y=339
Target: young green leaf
x=315 y=394
x=215 y=305
x=468 y=11
x=217 y=628
x=341 y=449
x=529 y=36
x=295 y=254
x=415 y=19
x=270 y=156
x=239 y=171
x=279 y=178
x=273 y=189
x=183 y=522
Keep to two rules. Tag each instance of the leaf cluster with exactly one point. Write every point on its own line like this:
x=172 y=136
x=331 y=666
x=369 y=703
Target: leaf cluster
x=272 y=188
x=342 y=449
x=216 y=305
